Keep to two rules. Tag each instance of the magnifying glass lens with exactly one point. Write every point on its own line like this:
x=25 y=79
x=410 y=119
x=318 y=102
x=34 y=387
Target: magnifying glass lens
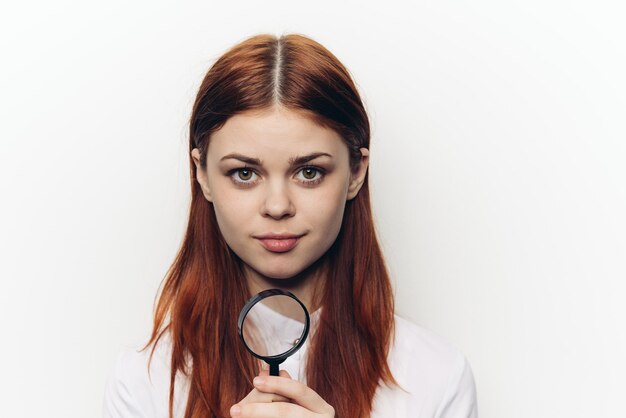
x=274 y=325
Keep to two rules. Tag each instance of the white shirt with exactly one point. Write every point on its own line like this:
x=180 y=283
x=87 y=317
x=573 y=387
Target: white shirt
x=435 y=375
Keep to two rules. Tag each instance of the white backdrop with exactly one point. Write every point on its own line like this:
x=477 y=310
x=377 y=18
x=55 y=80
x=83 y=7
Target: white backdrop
x=497 y=170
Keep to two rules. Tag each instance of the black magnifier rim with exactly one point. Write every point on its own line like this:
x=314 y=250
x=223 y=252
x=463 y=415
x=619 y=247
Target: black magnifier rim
x=253 y=301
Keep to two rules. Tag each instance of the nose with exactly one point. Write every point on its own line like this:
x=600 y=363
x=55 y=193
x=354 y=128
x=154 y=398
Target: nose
x=277 y=202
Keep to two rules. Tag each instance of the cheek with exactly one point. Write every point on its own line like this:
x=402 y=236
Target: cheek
x=326 y=210
x=230 y=211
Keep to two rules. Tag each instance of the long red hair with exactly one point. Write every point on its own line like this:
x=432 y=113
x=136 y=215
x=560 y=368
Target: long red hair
x=204 y=289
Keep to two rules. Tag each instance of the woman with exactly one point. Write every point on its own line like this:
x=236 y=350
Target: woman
x=279 y=142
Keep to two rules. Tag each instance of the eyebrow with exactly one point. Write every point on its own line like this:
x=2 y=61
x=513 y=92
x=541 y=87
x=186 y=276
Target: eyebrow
x=292 y=161
x=243 y=158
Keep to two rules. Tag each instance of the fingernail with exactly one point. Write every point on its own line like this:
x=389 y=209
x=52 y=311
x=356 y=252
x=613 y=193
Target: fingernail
x=258 y=381
x=235 y=410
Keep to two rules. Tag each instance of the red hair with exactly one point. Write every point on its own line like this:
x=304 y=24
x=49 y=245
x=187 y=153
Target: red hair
x=204 y=289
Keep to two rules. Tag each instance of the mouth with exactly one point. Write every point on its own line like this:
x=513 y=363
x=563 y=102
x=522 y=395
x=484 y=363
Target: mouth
x=279 y=243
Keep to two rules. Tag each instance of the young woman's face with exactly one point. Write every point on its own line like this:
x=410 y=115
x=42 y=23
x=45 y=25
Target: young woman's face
x=279 y=184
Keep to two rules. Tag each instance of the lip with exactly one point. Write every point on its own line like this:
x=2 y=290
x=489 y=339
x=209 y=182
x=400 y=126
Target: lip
x=273 y=235
x=278 y=243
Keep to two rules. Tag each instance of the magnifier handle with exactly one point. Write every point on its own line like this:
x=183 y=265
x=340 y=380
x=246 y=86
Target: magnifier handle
x=274 y=369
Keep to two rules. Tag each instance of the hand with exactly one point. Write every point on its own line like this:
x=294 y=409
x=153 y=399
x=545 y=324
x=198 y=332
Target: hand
x=279 y=397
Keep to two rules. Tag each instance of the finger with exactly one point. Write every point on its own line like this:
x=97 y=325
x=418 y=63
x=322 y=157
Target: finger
x=256 y=396
x=296 y=391
x=269 y=410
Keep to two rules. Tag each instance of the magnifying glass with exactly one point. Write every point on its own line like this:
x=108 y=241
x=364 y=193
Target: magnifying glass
x=273 y=325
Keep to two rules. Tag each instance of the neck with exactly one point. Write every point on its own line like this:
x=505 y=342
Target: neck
x=306 y=285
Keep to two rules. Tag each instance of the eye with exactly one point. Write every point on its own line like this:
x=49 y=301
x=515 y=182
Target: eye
x=245 y=174
x=242 y=176
x=311 y=175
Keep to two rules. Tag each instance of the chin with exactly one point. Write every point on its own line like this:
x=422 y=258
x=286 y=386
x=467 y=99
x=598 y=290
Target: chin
x=282 y=270
x=280 y=274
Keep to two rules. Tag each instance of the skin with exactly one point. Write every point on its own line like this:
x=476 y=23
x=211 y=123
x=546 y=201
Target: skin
x=278 y=197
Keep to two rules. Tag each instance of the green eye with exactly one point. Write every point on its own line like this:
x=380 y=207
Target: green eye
x=309 y=173
x=310 y=176
x=245 y=174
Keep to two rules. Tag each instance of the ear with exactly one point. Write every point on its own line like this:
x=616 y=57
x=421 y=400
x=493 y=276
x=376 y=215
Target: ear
x=201 y=175
x=358 y=177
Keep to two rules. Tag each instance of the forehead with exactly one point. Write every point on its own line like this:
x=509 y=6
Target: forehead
x=275 y=133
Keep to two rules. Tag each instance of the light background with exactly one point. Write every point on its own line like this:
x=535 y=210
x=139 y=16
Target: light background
x=497 y=170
